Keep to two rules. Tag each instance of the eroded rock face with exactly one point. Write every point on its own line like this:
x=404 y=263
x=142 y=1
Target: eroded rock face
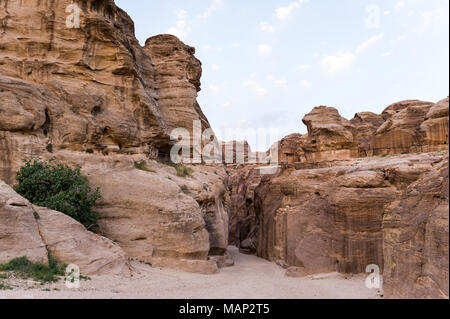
x=288 y=149
x=399 y=133
x=99 y=79
x=410 y=126
x=177 y=74
x=434 y=130
x=345 y=215
x=155 y=215
x=415 y=238
x=366 y=124
x=330 y=136
x=28 y=230
x=90 y=89
x=93 y=97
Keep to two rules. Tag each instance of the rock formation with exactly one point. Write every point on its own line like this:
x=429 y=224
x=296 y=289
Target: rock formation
x=415 y=238
x=329 y=137
x=366 y=123
x=288 y=149
x=93 y=97
x=326 y=210
x=177 y=75
x=28 y=230
x=342 y=198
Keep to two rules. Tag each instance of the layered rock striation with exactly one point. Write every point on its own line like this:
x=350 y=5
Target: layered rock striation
x=93 y=97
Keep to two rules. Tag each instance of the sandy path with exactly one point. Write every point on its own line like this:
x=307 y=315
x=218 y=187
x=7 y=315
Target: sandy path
x=250 y=278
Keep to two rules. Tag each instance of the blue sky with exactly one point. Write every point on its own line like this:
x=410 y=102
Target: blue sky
x=268 y=63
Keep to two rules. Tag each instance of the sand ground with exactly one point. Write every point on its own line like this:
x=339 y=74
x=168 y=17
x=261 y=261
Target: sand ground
x=250 y=278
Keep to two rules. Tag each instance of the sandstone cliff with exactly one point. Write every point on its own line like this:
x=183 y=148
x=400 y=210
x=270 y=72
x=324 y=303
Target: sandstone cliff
x=93 y=97
x=336 y=206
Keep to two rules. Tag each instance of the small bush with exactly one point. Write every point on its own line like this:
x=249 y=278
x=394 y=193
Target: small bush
x=182 y=170
x=4 y=286
x=24 y=268
x=143 y=167
x=59 y=187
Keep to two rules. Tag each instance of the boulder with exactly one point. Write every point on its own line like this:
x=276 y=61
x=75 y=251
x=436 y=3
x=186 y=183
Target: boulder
x=28 y=230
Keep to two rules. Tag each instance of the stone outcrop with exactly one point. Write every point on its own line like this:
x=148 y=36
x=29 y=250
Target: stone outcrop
x=288 y=149
x=400 y=131
x=405 y=127
x=433 y=131
x=177 y=75
x=28 y=230
x=330 y=136
x=366 y=123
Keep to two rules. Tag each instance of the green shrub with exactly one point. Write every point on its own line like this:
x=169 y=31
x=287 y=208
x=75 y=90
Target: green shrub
x=143 y=167
x=182 y=170
x=4 y=286
x=24 y=268
x=59 y=187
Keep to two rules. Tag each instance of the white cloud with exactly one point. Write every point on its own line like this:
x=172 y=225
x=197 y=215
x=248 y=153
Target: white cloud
x=387 y=12
x=181 y=29
x=363 y=46
x=256 y=88
x=386 y=54
x=212 y=48
x=304 y=67
x=305 y=84
x=400 y=5
x=216 y=5
x=284 y=13
x=226 y=105
x=264 y=50
x=266 y=27
x=279 y=83
x=338 y=62
x=214 y=88
x=341 y=60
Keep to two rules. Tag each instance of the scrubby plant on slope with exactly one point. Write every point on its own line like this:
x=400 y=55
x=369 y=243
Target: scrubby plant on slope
x=58 y=187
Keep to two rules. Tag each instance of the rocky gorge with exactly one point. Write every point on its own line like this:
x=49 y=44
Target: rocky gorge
x=350 y=193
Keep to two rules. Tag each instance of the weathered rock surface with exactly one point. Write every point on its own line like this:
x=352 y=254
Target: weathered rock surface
x=330 y=136
x=93 y=97
x=405 y=127
x=325 y=218
x=415 y=238
x=155 y=215
x=177 y=74
x=28 y=230
x=399 y=133
x=288 y=149
x=366 y=124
